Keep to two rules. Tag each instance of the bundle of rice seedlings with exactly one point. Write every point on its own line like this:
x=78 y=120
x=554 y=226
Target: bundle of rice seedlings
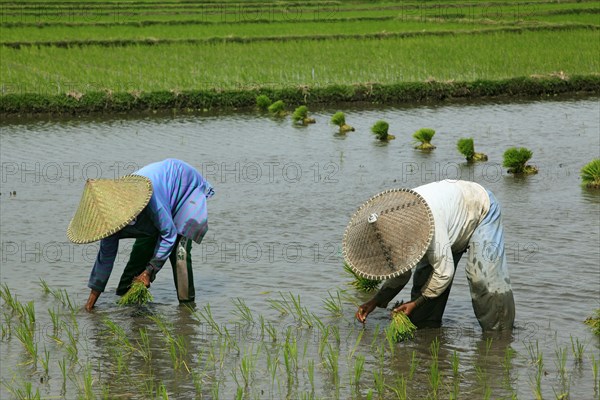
x=380 y=130
x=363 y=285
x=138 y=293
x=278 y=108
x=339 y=119
x=424 y=135
x=300 y=116
x=401 y=328
x=263 y=102
x=594 y=323
x=590 y=174
x=515 y=159
x=467 y=148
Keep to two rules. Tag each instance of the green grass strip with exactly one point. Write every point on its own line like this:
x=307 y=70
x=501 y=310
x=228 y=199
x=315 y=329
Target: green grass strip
x=234 y=39
x=407 y=92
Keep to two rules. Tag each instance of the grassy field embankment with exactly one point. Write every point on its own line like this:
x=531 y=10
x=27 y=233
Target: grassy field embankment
x=106 y=56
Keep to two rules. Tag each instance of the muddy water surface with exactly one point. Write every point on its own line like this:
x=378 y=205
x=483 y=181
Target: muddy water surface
x=284 y=195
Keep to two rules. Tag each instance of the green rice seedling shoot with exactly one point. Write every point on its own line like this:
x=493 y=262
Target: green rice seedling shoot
x=263 y=102
x=515 y=159
x=300 y=116
x=467 y=148
x=339 y=119
x=401 y=328
x=424 y=135
x=277 y=109
x=380 y=130
x=138 y=294
x=590 y=175
x=363 y=285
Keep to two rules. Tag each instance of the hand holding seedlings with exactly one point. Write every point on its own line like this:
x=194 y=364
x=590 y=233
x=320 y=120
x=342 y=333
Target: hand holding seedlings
x=144 y=277
x=406 y=308
x=364 y=310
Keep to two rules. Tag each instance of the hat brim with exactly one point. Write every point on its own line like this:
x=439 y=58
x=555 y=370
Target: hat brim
x=396 y=239
x=107 y=206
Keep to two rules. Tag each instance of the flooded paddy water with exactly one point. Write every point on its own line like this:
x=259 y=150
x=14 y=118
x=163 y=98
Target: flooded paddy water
x=274 y=316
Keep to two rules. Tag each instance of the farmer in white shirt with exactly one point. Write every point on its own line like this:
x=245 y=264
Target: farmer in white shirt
x=429 y=229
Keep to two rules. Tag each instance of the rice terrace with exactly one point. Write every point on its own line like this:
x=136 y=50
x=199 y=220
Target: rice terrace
x=297 y=113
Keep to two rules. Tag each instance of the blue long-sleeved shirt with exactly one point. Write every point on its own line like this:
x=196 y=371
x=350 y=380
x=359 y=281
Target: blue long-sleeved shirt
x=177 y=207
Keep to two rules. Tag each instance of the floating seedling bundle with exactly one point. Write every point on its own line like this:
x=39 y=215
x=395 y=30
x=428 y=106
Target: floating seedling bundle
x=137 y=294
x=401 y=328
x=339 y=119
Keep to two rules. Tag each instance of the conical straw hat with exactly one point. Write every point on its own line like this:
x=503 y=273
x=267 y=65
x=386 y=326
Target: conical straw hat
x=388 y=235
x=107 y=206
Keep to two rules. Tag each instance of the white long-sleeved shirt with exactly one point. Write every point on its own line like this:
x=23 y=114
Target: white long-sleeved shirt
x=457 y=207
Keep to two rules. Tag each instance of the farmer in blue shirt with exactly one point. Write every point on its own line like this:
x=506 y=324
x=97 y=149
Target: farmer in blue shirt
x=163 y=206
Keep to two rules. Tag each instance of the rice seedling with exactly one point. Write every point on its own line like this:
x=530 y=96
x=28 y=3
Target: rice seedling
x=435 y=376
x=45 y=288
x=138 y=294
x=144 y=345
x=414 y=363
x=401 y=328
x=399 y=388
x=595 y=367
x=561 y=361
x=455 y=362
x=8 y=298
x=507 y=364
x=590 y=178
x=578 y=350
x=424 y=135
x=26 y=393
x=6 y=326
x=206 y=315
x=359 y=364
x=300 y=116
x=62 y=365
x=116 y=335
x=363 y=285
x=271 y=331
x=515 y=159
x=56 y=325
x=247 y=365
x=324 y=340
x=537 y=385
x=332 y=363
x=339 y=119
x=25 y=336
x=310 y=370
x=594 y=323
x=45 y=361
x=334 y=304
x=356 y=343
x=380 y=130
x=263 y=102
x=561 y=367
x=277 y=109
x=467 y=148
x=533 y=351
x=242 y=310
x=88 y=383
x=379 y=382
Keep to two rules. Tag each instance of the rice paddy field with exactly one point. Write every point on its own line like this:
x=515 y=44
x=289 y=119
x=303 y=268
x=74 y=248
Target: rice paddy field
x=274 y=310
x=54 y=54
x=100 y=88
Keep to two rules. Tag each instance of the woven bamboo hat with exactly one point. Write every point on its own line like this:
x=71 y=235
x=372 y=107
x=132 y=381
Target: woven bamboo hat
x=107 y=206
x=388 y=235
